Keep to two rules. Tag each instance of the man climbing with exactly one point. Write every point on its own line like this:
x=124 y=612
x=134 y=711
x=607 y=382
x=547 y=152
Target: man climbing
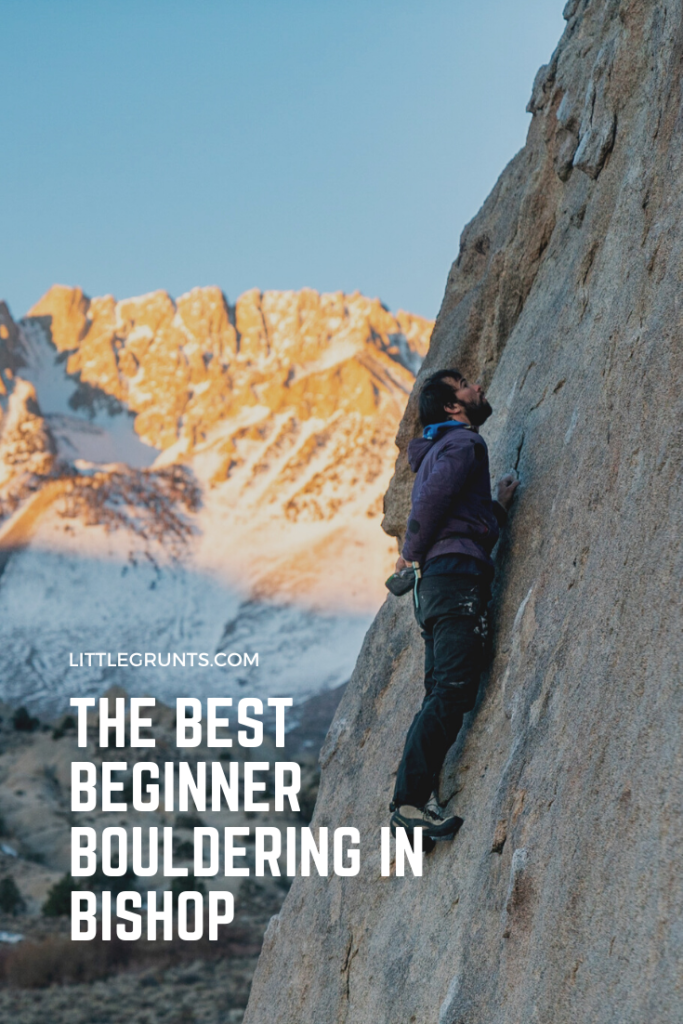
x=452 y=529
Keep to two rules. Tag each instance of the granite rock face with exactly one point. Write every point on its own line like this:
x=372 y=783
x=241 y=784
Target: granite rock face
x=560 y=900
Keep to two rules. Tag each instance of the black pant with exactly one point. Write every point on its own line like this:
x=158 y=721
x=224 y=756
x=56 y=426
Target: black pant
x=453 y=614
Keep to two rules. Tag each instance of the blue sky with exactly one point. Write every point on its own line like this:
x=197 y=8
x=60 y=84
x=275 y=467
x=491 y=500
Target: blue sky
x=256 y=143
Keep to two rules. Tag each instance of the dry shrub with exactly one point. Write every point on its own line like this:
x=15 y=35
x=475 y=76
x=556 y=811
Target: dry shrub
x=56 y=960
x=59 y=961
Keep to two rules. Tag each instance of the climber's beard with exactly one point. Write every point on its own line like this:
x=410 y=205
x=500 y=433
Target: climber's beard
x=477 y=412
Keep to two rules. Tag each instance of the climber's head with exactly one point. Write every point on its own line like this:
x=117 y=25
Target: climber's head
x=447 y=395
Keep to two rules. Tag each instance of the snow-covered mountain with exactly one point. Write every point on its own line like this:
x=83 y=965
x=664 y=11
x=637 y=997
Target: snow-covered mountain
x=191 y=477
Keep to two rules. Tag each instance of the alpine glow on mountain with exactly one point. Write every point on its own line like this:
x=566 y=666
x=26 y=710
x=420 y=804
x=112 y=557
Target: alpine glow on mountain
x=191 y=475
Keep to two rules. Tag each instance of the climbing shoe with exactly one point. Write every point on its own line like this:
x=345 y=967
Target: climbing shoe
x=433 y=827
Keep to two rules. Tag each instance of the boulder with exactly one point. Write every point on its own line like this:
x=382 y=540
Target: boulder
x=560 y=899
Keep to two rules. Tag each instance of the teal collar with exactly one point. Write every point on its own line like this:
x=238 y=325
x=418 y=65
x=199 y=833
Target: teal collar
x=434 y=429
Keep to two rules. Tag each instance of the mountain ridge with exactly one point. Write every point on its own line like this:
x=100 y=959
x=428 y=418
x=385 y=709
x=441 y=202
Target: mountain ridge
x=199 y=350
x=234 y=470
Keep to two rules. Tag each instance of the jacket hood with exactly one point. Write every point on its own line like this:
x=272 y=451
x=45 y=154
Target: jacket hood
x=417 y=449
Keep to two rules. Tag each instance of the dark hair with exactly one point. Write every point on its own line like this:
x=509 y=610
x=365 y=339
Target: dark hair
x=435 y=395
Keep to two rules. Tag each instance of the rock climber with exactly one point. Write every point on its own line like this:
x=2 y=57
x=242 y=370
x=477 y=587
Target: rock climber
x=452 y=529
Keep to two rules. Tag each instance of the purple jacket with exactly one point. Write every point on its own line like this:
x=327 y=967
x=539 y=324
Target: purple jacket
x=452 y=511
